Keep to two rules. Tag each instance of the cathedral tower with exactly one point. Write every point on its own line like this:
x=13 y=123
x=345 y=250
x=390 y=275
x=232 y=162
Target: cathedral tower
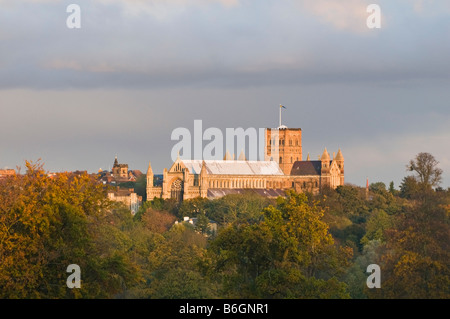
x=284 y=145
x=340 y=162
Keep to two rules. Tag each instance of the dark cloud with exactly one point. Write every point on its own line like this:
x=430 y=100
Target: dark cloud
x=124 y=81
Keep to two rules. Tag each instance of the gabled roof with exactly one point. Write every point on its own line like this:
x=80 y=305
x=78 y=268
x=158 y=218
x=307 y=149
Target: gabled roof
x=307 y=168
x=217 y=167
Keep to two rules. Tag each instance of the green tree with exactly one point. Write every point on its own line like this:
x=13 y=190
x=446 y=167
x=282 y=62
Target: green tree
x=392 y=189
x=230 y=208
x=356 y=275
x=202 y=224
x=409 y=188
x=377 y=224
x=290 y=254
x=378 y=187
x=193 y=207
x=175 y=266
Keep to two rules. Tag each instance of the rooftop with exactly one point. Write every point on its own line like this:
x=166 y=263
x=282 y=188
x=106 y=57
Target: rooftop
x=306 y=168
x=224 y=167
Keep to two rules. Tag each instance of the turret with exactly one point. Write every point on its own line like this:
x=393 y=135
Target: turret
x=227 y=156
x=187 y=182
x=325 y=179
x=149 y=175
x=339 y=156
x=242 y=156
x=325 y=159
x=165 y=187
x=149 y=181
x=340 y=162
x=203 y=180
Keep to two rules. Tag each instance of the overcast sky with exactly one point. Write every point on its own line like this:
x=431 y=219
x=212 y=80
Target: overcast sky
x=136 y=70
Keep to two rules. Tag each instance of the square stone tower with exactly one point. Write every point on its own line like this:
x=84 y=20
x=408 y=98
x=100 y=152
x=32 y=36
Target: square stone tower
x=284 y=145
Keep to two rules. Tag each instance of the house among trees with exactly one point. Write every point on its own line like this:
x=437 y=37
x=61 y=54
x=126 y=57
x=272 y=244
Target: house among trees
x=119 y=174
x=7 y=172
x=127 y=196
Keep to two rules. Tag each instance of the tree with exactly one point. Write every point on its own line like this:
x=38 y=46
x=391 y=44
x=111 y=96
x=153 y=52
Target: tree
x=193 y=207
x=174 y=266
x=290 y=254
x=377 y=224
x=378 y=187
x=356 y=275
x=392 y=189
x=409 y=188
x=169 y=205
x=158 y=221
x=48 y=223
x=202 y=224
x=425 y=167
x=417 y=251
x=230 y=208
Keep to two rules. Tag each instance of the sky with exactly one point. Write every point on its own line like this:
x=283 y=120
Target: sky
x=137 y=70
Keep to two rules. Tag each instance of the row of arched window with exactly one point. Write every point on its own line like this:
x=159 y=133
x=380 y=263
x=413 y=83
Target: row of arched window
x=237 y=183
x=262 y=183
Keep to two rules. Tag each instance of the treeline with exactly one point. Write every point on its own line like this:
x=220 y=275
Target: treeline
x=299 y=246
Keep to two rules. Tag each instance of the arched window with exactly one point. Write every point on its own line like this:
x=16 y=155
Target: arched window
x=176 y=190
x=281 y=160
x=290 y=142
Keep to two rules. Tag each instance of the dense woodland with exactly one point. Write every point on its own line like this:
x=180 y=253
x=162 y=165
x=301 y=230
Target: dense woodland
x=299 y=246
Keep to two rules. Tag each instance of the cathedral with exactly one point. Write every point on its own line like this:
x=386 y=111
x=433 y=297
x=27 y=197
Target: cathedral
x=282 y=169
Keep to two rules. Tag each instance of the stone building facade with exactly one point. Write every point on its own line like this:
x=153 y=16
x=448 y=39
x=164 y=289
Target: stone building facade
x=282 y=169
x=127 y=196
x=284 y=146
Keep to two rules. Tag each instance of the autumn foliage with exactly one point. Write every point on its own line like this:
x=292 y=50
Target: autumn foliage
x=297 y=246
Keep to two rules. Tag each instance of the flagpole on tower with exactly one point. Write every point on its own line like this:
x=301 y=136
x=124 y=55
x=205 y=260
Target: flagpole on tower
x=281 y=107
x=280 y=117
